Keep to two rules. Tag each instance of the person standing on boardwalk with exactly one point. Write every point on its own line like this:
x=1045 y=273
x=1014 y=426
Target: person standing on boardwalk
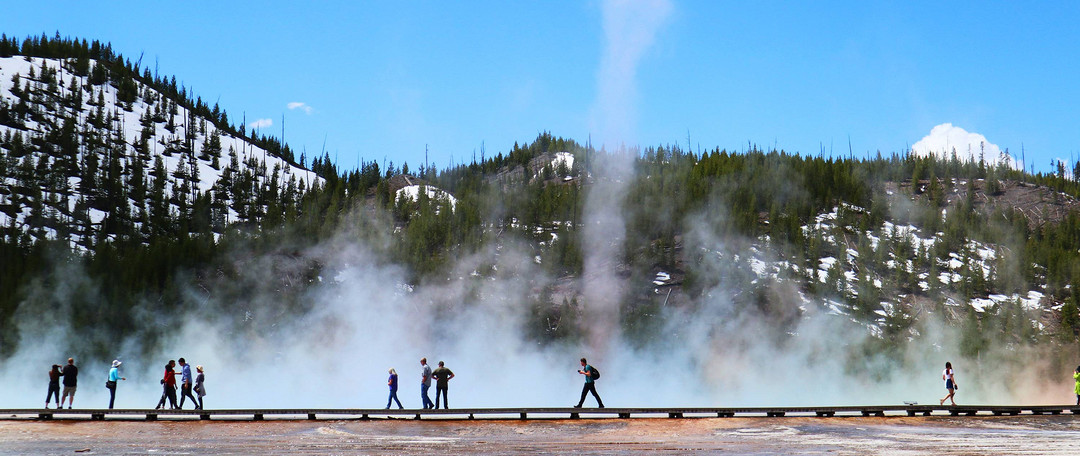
x=71 y=381
x=950 y=384
x=1076 y=376
x=442 y=382
x=168 y=386
x=591 y=374
x=392 y=382
x=54 y=385
x=186 y=383
x=200 y=389
x=114 y=376
x=425 y=383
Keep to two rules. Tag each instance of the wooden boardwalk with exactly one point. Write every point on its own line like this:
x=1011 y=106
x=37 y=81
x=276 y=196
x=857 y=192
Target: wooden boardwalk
x=538 y=413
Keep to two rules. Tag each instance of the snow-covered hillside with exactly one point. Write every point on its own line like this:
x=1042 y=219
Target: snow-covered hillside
x=51 y=117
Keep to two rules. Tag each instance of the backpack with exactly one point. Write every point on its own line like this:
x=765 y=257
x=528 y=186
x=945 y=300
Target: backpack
x=595 y=374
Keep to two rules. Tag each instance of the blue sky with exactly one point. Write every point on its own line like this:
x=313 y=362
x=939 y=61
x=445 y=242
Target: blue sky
x=380 y=80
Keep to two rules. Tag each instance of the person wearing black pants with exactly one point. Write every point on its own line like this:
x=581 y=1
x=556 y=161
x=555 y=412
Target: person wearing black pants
x=54 y=386
x=186 y=384
x=590 y=385
x=114 y=376
x=442 y=384
x=169 y=386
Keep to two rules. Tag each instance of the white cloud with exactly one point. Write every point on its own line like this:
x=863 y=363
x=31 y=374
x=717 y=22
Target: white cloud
x=301 y=106
x=946 y=139
x=261 y=123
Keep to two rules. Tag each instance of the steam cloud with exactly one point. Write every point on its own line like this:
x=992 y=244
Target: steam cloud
x=630 y=28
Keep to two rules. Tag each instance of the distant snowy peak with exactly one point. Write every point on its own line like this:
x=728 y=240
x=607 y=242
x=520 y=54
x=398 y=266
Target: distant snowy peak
x=71 y=117
x=130 y=115
x=946 y=139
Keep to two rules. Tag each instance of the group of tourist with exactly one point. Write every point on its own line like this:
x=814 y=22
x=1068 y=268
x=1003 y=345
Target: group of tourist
x=442 y=377
x=186 y=386
x=70 y=378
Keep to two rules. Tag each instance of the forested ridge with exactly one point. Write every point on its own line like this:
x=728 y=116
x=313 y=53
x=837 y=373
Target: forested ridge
x=886 y=240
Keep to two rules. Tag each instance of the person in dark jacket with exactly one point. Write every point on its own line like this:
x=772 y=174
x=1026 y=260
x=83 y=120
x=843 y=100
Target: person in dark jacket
x=54 y=385
x=71 y=381
x=442 y=384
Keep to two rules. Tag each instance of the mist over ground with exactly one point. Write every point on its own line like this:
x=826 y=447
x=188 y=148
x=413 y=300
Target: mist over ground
x=717 y=351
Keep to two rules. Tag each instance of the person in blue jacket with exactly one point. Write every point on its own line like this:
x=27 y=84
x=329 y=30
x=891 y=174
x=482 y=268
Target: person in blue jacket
x=114 y=376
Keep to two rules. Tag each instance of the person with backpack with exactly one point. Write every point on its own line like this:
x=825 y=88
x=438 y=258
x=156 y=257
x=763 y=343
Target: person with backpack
x=591 y=375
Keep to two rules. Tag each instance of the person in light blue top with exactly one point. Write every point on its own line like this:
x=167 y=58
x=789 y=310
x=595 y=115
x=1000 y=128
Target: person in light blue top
x=114 y=376
x=185 y=383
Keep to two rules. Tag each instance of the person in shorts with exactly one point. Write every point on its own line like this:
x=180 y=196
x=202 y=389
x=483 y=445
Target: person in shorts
x=71 y=381
x=950 y=384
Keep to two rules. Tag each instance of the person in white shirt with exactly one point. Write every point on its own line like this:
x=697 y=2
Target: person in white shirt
x=950 y=384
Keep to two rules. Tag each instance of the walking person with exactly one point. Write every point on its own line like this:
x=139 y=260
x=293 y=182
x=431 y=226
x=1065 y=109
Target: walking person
x=425 y=383
x=442 y=381
x=168 y=386
x=54 y=385
x=950 y=384
x=71 y=381
x=1076 y=376
x=591 y=374
x=114 y=376
x=186 y=383
x=392 y=382
x=200 y=388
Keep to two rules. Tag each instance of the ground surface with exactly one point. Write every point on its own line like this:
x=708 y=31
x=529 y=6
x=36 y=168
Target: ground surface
x=853 y=435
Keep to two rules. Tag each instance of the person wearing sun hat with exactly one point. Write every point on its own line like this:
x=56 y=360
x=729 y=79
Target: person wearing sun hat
x=200 y=390
x=114 y=376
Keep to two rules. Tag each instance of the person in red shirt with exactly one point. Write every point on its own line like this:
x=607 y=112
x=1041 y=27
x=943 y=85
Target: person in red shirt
x=169 y=383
